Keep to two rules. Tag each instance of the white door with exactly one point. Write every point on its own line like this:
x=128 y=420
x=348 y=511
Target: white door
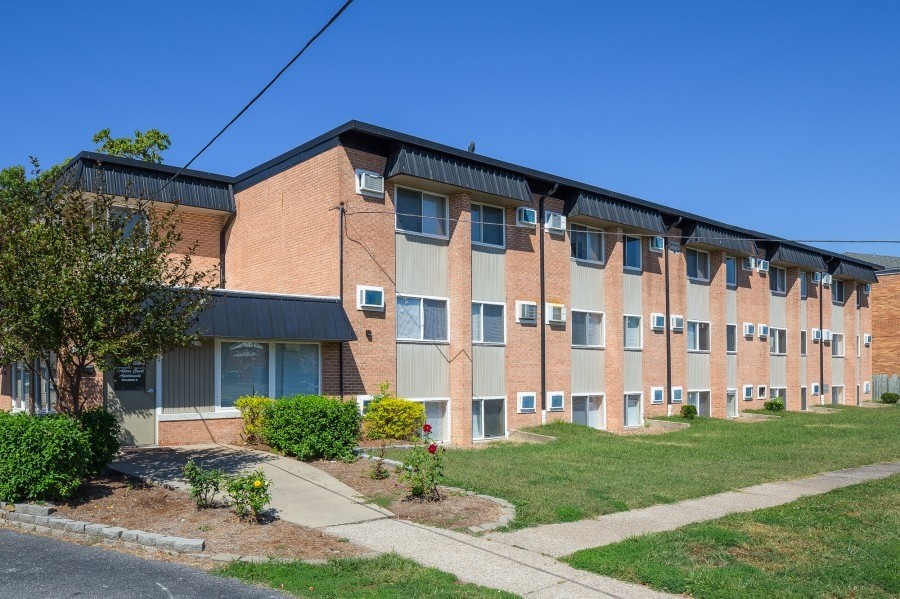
x=732 y=404
x=633 y=409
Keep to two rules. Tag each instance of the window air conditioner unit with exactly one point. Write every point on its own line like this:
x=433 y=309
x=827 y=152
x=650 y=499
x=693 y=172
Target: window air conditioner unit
x=867 y=289
x=526 y=217
x=816 y=335
x=526 y=312
x=763 y=330
x=749 y=329
x=657 y=321
x=369 y=298
x=762 y=266
x=554 y=222
x=677 y=322
x=816 y=277
x=370 y=184
x=826 y=280
x=815 y=389
x=657 y=244
x=556 y=314
x=867 y=339
x=827 y=335
x=748 y=263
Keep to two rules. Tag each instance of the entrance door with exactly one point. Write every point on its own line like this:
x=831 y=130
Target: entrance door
x=732 y=405
x=633 y=409
x=130 y=395
x=586 y=410
x=837 y=395
x=803 y=399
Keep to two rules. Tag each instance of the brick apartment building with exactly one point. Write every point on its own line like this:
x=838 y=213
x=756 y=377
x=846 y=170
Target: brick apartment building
x=885 y=307
x=499 y=296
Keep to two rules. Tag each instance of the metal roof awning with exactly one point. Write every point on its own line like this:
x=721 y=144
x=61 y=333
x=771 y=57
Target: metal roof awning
x=786 y=254
x=450 y=170
x=243 y=315
x=852 y=270
x=703 y=234
x=616 y=211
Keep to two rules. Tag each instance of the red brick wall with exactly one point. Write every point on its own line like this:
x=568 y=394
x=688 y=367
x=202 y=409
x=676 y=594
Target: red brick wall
x=753 y=302
x=613 y=288
x=884 y=318
x=192 y=432
x=557 y=269
x=654 y=300
x=718 y=364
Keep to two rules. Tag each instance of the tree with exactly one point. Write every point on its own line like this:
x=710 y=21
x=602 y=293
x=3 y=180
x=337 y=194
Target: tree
x=86 y=281
x=145 y=146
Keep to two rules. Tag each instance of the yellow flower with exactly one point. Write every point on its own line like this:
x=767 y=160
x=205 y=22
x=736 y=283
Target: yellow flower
x=257 y=483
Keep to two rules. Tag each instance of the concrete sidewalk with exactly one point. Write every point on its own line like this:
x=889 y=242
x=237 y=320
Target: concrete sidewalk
x=301 y=493
x=557 y=540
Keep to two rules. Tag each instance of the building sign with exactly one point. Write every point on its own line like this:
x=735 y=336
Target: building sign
x=131 y=377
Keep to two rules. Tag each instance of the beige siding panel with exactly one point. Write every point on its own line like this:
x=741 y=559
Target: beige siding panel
x=587 y=370
x=697 y=301
x=837 y=373
x=587 y=286
x=488 y=371
x=837 y=321
x=634 y=378
x=422 y=266
x=632 y=296
x=423 y=370
x=778 y=371
x=803 y=324
x=188 y=379
x=731 y=313
x=488 y=274
x=777 y=311
x=803 y=380
x=731 y=381
x=698 y=372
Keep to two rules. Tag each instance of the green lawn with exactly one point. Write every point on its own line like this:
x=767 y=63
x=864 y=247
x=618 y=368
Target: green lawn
x=587 y=473
x=384 y=577
x=845 y=543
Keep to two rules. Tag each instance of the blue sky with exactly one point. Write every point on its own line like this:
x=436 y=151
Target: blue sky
x=777 y=116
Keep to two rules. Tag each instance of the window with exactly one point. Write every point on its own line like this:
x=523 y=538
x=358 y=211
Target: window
x=587 y=410
x=677 y=394
x=803 y=342
x=837 y=292
x=747 y=263
x=248 y=368
x=837 y=345
x=296 y=369
x=587 y=244
x=779 y=392
x=488 y=323
x=527 y=402
x=697 y=336
x=127 y=219
x=633 y=253
x=867 y=387
x=700 y=400
x=488 y=418
x=748 y=392
x=421 y=319
x=633 y=332
x=815 y=388
x=656 y=395
x=362 y=402
x=778 y=280
x=697 y=264
x=487 y=225
x=436 y=416
x=731 y=338
x=778 y=342
x=633 y=415
x=730 y=271
x=587 y=329
x=804 y=282
x=420 y=212
x=556 y=401
x=761 y=392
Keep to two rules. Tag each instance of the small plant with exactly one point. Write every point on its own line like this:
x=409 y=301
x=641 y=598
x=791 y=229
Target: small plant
x=890 y=397
x=205 y=483
x=688 y=411
x=249 y=494
x=252 y=409
x=424 y=468
x=391 y=418
x=776 y=404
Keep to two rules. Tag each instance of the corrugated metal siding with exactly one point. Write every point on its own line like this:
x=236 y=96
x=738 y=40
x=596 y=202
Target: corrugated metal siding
x=697 y=301
x=632 y=302
x=731 y=311
x=698 y=372
x=731 y=380
x=587 y=370
x=844 y=268
x=803 y=324
x=803 y=374
x=434 y=166
x=188 y=379
x=799 y=257
x=633 y=380
x=423 y=370
x=777 y=311
x=422 y=266
x=837 y=321
x=777 y=371
x=615 y=211
x=708 y=235
x=837 y=372
x=587 y=286
x=488 y=371
x=488 y=274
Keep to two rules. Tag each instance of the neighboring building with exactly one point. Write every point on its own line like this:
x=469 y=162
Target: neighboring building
x=499 y=296
x=885 y=306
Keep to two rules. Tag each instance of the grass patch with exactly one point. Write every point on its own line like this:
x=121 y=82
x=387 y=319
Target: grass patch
x=845 y=543
x=589 y=472
x=385 y=577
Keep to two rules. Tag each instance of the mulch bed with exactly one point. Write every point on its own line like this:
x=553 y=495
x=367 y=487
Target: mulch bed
x=117 y=500
x=455 y=511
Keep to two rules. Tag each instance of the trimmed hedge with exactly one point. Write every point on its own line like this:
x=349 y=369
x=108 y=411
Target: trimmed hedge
x=688 y=411
x=312 y=426
x=103 y=433
x=890 y=397
x=394 y=418
x=774 y=405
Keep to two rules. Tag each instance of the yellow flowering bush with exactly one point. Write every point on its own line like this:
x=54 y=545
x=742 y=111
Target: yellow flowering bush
x=249 y=494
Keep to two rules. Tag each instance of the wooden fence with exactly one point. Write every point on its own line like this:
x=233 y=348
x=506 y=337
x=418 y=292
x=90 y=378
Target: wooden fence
x=884 y=383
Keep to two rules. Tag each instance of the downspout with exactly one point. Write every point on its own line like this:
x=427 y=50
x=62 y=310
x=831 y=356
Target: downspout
x=667 y=323
x=222 y=235
x=341 y=212
x=543 y=304
x=821 y=341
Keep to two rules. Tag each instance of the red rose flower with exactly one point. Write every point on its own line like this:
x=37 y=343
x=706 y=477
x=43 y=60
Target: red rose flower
x=432 y=448
x=427 y=428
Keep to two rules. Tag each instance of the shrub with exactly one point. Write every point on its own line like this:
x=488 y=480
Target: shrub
x=312 y=426
x=776 y=404
x=205 y=483
x=249 y=494
x=424 y=468
x=688 y=411
x=388 y=418
x=103 y=433
x=252 y=409
x=42 y=458
x=890 y=397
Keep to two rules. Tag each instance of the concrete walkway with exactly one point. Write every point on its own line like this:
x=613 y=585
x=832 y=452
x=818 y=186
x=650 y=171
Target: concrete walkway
x=557 y=540
x=301 y=493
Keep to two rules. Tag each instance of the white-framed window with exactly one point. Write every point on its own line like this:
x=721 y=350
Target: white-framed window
x=779 y=392
x=867 y=387
x=586 y=244
x=803 y=342
x=697 y=336
x=837 y=291
x=267 y=368
x=731 y=338
x=778 y=280
x=587 y=329
x=748 y=392
x=804 y=284
x=526 y=402
x=589 y=410
x=761 y=391
x=370 y=298
x=633 y=254
x=634 y=334
x=422 y=318
x=697 y=264
x=488 y=225
x=657 y=394
x=700 y=400
x=677 y=394
x=778 y=342
x=730 y=271
x=488 y=417
x=422 y=213
x=815 y=389
x=362 y=402
x=634 y=409
x=837 y=345
x=488 y=323
x=556 y=401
